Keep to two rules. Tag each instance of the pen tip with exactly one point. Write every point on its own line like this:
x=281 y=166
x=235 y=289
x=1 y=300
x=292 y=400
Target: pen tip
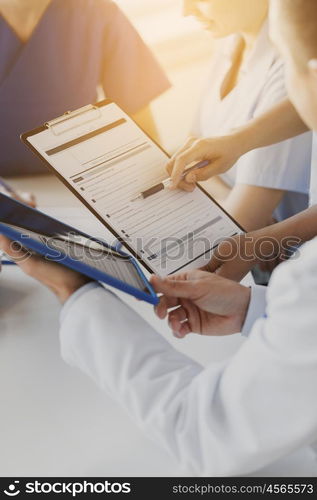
x=139 y=197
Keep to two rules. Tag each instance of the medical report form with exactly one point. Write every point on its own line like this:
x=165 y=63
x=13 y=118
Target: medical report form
x=106 y=160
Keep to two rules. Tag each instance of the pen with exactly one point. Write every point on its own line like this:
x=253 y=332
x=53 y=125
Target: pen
x=167 y=182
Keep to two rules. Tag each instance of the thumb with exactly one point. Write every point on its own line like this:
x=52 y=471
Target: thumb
x=182 y=161
x=173 y=288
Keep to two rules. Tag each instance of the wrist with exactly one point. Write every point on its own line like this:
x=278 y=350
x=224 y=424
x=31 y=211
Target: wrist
x=263 y=243
x=242 y=140
x=275 y=240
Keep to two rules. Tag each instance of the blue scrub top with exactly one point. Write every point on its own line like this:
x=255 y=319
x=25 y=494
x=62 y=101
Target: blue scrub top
x=77 y=45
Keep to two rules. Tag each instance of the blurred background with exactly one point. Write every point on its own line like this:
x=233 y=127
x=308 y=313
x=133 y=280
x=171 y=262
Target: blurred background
x=184 y=50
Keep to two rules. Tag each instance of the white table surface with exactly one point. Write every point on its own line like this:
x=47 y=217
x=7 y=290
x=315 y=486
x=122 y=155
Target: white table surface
x=53 y=420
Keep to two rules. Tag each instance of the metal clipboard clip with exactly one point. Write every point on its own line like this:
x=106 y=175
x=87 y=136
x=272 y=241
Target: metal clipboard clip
x=73 y=119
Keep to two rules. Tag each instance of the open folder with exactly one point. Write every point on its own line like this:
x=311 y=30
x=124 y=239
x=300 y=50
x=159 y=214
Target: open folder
x=67 y=246
x=105 y=159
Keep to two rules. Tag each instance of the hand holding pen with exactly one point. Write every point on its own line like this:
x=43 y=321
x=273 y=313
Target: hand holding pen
x=168 y=182
x=221 y=151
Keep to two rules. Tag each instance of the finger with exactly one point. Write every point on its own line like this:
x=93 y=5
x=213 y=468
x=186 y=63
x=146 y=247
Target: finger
x=4 y=243
x=169 y=167
x=185 y=319
x=174 y=287
x=193 y=275
x=180 y=330
x=29 y=263
x=193 y=154
x=186 y=186
x=184 y=330
x=201 y=174
x=164 y=305
x=179 y=314
x=178 y=168
x=193 y=315
x=170 y=164
x=13 y=249
x=190 y=178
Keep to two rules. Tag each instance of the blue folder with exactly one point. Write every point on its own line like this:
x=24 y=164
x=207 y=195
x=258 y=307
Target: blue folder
x=72 y=248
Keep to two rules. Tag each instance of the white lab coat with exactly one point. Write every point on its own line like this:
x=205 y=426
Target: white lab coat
x=283 y=166
x=227 y=419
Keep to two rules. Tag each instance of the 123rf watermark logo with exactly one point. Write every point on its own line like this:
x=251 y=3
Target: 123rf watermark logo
x=68 y=488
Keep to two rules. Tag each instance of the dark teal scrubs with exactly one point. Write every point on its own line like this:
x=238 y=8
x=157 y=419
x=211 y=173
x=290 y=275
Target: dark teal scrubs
x=77 y=46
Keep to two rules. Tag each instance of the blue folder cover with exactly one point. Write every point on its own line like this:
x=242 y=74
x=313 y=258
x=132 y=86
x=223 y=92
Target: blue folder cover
x=146 y=294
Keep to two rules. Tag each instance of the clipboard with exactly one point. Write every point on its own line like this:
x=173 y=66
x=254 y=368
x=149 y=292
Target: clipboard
x=61 y=243
x=83 y=127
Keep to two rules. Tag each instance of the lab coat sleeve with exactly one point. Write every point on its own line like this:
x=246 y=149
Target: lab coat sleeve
x=227 y=419
x=256 y=309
